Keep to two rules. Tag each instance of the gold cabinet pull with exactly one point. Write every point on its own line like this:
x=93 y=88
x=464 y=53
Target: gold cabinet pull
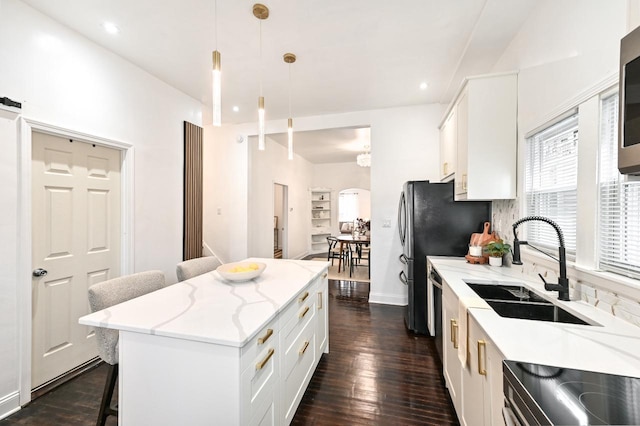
x=464 y=181
x=304 y=348
x=454 y=333
x=303 y=313
x=482 y=347
x=265 y=337
x=325 y=275
x=261 y=364
x=319 y=300
x=445 y=168
x=303 y=297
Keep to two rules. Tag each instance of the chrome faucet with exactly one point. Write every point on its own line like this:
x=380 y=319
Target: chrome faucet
x=563 y=282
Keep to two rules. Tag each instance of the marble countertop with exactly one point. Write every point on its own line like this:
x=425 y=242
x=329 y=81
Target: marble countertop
x=611 y=347
x=209 y=309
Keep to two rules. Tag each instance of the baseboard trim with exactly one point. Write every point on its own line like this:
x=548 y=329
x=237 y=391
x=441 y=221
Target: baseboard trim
x=387 y=299
x=64 y=378
x=9 y=404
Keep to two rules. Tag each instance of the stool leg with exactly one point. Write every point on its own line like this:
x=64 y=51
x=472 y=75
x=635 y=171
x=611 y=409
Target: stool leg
x=105 y=405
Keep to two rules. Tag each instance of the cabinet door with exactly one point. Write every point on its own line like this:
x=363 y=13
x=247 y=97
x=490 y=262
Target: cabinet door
x=482 y=381
x=448 y=150
x=322 y=317
x=462 y=143
x=451 y=363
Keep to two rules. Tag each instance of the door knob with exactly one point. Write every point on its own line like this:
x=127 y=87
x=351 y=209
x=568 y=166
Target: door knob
x=39 y=272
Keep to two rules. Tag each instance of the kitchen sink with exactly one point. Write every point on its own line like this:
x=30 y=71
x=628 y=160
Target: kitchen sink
x=535 y=311
x=513 y=300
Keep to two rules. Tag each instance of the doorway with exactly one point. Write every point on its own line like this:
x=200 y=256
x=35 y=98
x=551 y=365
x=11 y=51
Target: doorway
x=280 y=208
x=76 y=242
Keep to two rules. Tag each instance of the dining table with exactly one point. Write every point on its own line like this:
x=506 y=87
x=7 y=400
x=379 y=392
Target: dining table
x=351 y=239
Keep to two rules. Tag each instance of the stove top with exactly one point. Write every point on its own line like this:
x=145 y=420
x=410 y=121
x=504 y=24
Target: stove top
x=564 y=396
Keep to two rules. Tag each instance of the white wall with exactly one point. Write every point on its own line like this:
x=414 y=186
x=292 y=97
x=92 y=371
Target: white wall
x=67 y=81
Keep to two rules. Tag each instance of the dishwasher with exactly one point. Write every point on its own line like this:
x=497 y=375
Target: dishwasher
x=434 y=299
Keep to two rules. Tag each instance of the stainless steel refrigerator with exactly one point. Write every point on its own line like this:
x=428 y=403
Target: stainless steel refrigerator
x=431 y=223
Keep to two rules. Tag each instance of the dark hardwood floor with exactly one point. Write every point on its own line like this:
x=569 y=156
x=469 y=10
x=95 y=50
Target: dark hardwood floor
x=376 y=373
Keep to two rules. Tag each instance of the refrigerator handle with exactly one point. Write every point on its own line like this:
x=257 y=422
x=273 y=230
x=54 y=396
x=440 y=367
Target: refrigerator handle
x=403 y=259
x=401 y=222
x=403 y=278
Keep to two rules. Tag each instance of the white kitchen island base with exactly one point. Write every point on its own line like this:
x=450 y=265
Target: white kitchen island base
x=207 y=352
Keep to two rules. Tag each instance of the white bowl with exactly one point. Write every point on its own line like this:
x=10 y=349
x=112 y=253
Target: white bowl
x=475 y=251
x=226 y=271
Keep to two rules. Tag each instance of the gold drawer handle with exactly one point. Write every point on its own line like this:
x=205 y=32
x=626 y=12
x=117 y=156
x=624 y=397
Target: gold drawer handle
x=445 y=168
x=325 y=275
x=454 y=333
x=265 y=337
x=303 y=297
x=304 y=348
x=303 y=313
x=266 y=359
x=319 y=300
x=482 y=347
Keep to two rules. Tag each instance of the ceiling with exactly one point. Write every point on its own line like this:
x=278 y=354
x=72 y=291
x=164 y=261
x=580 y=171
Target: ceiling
x=351 y=55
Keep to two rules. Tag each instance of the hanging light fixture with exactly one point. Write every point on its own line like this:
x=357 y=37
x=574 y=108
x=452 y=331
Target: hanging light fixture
x=261 y=12
x=290 y=58
x=364 y=159
x=217 y=79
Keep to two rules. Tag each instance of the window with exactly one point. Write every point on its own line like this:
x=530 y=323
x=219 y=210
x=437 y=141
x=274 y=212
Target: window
x=347 y=206
x=551 y=181
x=619 y=228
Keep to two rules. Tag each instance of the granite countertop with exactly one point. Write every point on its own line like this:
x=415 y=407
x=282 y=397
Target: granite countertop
x=611 y=347
x=209 y=309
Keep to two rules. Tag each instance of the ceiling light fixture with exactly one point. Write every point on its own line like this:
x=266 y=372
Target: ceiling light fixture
x=364 y=159
x=217 y=78
x=423 y=85
x=110 y=27
x=261 y=12
x=290 y=58
x=236 y=108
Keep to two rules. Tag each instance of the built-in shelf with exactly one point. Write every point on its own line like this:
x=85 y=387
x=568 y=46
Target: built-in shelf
x=320 y=218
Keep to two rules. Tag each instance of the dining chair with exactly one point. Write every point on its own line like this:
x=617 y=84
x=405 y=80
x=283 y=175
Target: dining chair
x=102 y=296
x=194 y=267
x=363 y=253
x=334 y=251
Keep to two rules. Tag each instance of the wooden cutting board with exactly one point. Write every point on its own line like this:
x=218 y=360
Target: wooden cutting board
x=483 y=238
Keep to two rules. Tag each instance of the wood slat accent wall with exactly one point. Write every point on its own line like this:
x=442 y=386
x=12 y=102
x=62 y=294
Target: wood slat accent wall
x=192 y=228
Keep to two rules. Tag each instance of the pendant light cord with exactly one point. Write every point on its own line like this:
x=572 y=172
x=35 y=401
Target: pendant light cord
x=290 y=91
x=215 y=32
x=260 y=42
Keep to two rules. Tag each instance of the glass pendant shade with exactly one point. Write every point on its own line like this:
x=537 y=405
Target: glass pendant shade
x=217 y=90
x=261 y=123
x=290 y=138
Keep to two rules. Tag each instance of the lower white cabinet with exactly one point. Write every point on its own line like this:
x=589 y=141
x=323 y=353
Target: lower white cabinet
x=452 y=369
x=476 y=388
x=169 y=381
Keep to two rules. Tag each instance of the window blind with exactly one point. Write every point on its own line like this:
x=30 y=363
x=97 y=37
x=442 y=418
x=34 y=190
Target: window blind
x=619 y=209
x=551 y=182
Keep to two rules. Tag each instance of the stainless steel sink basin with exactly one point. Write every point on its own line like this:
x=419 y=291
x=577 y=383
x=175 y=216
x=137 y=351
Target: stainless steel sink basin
x=535 y=311
x=512 y=300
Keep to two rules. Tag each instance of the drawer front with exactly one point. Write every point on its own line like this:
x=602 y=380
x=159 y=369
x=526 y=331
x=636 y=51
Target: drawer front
x=259 y=383
x=297 y=368
x=267 y=337
x=266 y=416
x=303 y=313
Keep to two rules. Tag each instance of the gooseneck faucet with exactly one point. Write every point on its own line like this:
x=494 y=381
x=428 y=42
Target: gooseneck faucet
x=563 y=282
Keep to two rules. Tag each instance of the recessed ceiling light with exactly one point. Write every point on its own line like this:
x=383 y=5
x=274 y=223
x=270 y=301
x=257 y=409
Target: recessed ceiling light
x=236 y=109
x=110 y=27
x=423 y=85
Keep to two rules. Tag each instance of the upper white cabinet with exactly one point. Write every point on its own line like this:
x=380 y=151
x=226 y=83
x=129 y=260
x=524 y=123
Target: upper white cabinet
x=448 y=151
x=485 y=115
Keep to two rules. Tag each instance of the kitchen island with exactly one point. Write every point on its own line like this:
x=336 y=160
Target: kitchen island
x=610 y=345
x=208 y=351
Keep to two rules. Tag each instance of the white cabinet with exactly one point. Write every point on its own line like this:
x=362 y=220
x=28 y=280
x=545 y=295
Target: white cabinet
x=486 y=137
x=452 y=367
x=320 y=218
x=482 y=380
x=448 y=150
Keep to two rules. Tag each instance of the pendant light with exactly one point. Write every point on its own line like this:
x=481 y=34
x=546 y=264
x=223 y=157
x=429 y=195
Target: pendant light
x=261 y=12
x=217 y=79
x=290 y=58
x=364 y=159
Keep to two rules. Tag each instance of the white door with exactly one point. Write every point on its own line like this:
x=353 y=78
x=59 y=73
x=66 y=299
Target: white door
x=76 y=239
